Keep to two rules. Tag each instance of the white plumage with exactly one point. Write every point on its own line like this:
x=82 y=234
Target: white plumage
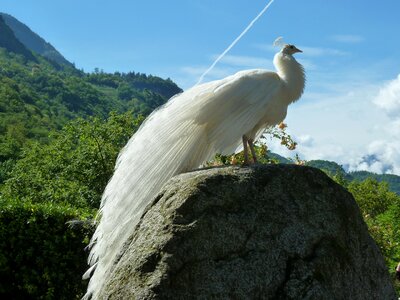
x=210 y=118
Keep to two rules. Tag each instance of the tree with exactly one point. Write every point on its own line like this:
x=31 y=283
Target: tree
x=75 y=166
x=372 y=196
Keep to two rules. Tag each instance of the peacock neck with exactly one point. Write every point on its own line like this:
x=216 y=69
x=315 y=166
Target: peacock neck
x=292 y=74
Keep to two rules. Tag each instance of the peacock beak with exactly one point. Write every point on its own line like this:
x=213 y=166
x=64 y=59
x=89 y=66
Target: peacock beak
x=298 y=50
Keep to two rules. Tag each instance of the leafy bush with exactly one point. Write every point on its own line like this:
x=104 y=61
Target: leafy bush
x=41 y=257
x=75 y=166
x=381 y=211
x=373 y=197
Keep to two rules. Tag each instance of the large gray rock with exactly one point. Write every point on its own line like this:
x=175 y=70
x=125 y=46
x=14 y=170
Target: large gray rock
x=269 y=232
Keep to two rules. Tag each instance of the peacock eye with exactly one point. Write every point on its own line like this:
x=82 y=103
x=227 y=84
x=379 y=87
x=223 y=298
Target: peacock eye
x=291 y=47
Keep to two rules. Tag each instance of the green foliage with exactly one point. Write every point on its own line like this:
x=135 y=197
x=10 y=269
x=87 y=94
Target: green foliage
x=238 y=159
x=330 y=167
x=261 y=150
x=278 y=158
x=32 y=41
x=5 y=169
x=333 y=169
x=49 y=179
x=141 y=91
x=75 y=166
x=37 y=97
x=385 y=229
x=392 y=180
x=381 y=211
x=339 y=178
x=131 y=82
x=11 y=43
x=374 y=198
x=41 y=257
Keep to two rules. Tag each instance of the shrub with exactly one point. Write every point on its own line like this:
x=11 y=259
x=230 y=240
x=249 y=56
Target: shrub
x=372 y=196
x=42 y=257
x=381 y=211
x=75 y=166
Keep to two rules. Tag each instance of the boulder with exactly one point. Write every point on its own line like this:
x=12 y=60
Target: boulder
x=266 y=232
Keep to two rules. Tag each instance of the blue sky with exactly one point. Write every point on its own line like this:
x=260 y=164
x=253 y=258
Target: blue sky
x=350 y=109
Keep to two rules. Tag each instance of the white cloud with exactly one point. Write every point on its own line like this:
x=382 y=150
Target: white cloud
x=305 y=140
x=343 y=125
x=389 y=98
x=382 y=157
x=347 y=38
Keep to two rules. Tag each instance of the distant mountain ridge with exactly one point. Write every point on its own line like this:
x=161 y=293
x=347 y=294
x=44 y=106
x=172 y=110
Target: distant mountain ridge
x=9 y=41
x=33 y=41
x=40 y=91
x=333 y=168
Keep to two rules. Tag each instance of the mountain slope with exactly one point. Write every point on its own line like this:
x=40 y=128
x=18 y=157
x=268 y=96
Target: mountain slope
x=392 y=180
x=32 y=41
x=38 y=96
x=9 y=41
x=332 y=168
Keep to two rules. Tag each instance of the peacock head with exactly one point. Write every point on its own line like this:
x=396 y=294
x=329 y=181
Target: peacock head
x=290 y=49
x=286 y=48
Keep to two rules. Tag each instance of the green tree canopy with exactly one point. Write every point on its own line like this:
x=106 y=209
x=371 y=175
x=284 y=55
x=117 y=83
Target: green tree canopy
x=75 y=166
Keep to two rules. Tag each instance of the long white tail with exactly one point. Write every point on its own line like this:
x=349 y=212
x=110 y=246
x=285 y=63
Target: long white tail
x=168 y=143
x=180 y=136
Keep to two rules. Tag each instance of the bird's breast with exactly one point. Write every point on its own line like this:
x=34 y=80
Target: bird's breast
x=275 y=113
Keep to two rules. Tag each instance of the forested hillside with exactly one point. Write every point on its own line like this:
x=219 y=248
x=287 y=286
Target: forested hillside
x=33 y=41
x=60 y=132
x=11 y=43
x=332 y=168
x=38 y=95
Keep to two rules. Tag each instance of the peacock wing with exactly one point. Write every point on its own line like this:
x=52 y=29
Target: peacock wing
x=235 y=106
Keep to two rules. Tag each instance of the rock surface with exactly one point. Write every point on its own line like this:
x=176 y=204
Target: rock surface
x=268 y=232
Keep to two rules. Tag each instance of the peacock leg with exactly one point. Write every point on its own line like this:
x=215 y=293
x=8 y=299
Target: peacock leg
x=253 y=151
x=246 y=161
